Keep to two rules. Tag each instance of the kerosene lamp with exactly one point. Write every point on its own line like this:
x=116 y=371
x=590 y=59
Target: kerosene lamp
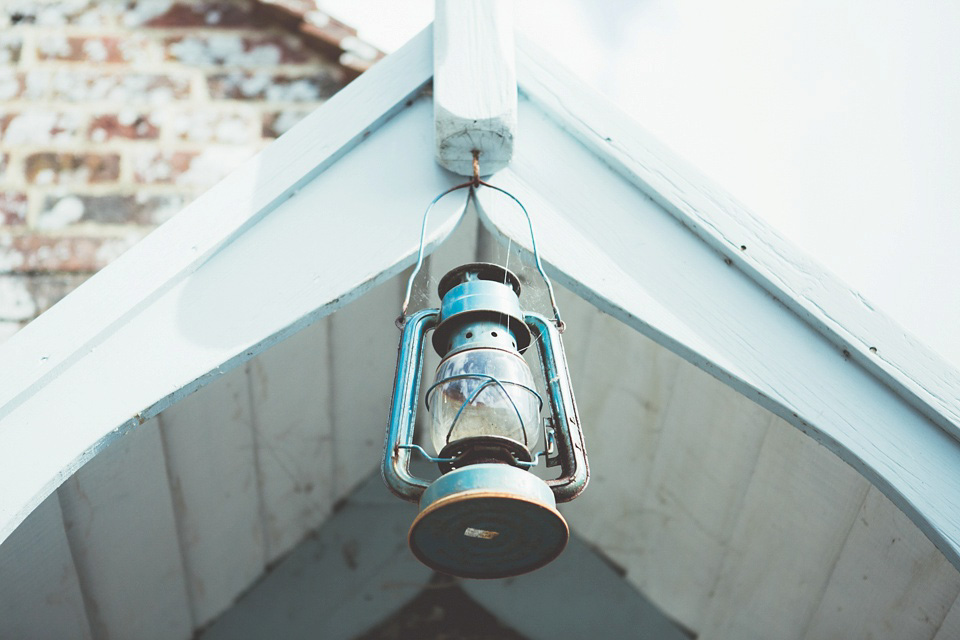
x=487 y=515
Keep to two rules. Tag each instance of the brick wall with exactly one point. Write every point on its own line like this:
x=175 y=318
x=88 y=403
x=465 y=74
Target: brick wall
x=116 y=113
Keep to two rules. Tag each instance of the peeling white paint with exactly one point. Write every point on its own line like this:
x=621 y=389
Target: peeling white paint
x=359 y=48
x=16 y=303
x=225 y=49
x=38 y=127
x=317 y=18
x=110 y=251
x=286 y=119
x=95 y=50
x=152 y=168
x=9 y=42
x=10 y=258
x=145 y=10
x=126 y=117
x=9 y=84
x=54 y=46
x=67 y=211
x=210 y=166
x=297 y=91
x=70 y=86
x=211 y=127
x=44 y=177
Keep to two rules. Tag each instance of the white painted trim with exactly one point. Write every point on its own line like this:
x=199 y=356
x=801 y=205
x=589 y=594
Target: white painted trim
x=840 y=314
x=605 y=239
x=332 y=238
x=475 y=84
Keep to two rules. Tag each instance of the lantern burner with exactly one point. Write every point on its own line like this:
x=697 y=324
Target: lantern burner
x=484 y=449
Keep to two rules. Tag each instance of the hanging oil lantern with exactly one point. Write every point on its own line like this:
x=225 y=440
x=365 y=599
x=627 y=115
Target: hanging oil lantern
x=487 y=515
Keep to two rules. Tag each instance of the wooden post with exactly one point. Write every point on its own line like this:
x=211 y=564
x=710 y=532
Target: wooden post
x=474 y=84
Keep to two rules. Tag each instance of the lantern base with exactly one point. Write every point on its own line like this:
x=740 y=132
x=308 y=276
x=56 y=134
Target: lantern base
x=488 y=521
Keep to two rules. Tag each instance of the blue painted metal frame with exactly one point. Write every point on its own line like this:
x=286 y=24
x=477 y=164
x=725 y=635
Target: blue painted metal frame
x=571 y=450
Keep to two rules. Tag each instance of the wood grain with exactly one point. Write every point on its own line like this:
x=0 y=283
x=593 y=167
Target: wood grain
x=120 y=523
x=889 y=581
x=209 y=447
x=474 y=84
x=40 y=594
x=291 y=394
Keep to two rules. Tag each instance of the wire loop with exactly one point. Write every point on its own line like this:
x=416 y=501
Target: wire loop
x=474 y=184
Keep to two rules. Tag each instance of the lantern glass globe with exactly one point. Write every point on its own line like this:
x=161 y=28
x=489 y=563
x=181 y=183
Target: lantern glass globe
x=498 y=389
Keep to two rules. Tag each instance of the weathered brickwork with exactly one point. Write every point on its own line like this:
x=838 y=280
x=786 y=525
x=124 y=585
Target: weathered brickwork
x=114 y=114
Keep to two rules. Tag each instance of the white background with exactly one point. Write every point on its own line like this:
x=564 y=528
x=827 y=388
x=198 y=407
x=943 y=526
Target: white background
x=837 y=122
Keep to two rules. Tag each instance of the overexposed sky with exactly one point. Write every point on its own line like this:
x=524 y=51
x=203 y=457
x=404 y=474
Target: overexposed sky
x=837 y=122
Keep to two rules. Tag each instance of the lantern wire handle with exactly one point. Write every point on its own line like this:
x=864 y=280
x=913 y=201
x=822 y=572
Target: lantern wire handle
x=536 y=254
x=402 y=318
x=473 y=184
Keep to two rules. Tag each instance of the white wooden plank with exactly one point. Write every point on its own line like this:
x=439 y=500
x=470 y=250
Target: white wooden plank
x=475 y=84
x=300 y=263
x=625 y=383
x=950 y=627
x=120 y=524
x=839 y=313
x=347 y=577
x=363 y=342
x=783 y=550
x=291 y=390
x=642 y=266
x=212 y=221
x=686 y=443
x=700 y=475
x=208 y=442
x=39 y=593
x=889 y=581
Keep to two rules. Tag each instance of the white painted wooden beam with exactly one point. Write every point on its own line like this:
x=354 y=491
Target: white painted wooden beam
x=474 y=84
x=608 y=241
x=334 y=231
x=858 y=329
